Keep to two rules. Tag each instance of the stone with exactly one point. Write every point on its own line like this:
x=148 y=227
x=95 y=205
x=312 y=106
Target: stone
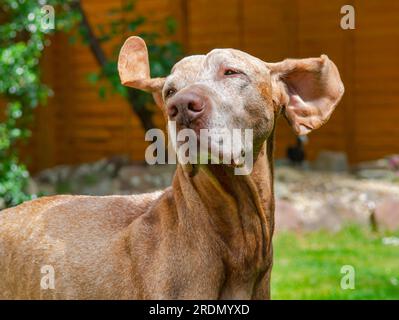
x=53 y=175
x=288 y=174
x=132 y=178
x=375 y=164
x=393 y=161
x=32 y=187
x=387 y=214
x=327 y=218
x=381 y=174
x=102 y=187
x=332 y=161
x=381 y=169
x=281 y=190
x=46 y=188
x=332 y=214
x=347 y=212
x=287 y=217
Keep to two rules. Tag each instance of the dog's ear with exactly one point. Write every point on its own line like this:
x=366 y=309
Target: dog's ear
x=134 y=68
x=308 y=89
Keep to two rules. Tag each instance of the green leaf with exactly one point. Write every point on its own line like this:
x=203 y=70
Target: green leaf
x=102 y=92
x=171 y=25
x=93 y=77
x=133 y=25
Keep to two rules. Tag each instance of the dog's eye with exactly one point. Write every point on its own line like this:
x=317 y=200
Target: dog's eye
x=170 y=92
x=230 y=72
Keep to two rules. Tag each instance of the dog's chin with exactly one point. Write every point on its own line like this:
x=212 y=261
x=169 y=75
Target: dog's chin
x=221 y=157
x=211 y=152
x=211 y=155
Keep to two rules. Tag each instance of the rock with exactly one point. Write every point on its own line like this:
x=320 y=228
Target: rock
x=382 y=169
x=333 y=214
x=132 y=179
x=162 y=175
x=119 y=161
x=393 y=161
x=288 y=174
x=376 y=164
x=140 y=178
x=346 y=211
x=126 y=173
x=32 y=187
x=387 y=214
x=46 y=188
x=53 y=175
x=287 y=217
x=281 y=190
x=101 y=187
x=331 y=161
x=327 y=218
x=382 y=174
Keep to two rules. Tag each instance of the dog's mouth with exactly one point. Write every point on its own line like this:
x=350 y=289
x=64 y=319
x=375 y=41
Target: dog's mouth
x=207 y=146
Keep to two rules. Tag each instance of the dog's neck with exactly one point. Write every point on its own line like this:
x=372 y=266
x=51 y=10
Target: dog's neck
x=224 y=221
x=237 y=210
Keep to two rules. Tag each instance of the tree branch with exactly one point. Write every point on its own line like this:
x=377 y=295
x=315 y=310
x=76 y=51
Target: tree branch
x=141 y=111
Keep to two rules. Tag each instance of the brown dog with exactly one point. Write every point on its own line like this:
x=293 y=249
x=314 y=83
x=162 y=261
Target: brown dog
x=209 y=236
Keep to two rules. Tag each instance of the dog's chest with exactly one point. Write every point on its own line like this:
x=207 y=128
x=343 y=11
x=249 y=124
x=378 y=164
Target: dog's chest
x=237 y=292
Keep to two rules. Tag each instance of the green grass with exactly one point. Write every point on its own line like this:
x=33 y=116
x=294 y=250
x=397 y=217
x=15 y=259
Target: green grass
x=307 y=266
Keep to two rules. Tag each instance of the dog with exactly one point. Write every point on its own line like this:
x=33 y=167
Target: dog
x=209 y=235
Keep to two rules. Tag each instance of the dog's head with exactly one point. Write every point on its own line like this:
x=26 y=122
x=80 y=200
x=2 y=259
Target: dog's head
x=228 y=88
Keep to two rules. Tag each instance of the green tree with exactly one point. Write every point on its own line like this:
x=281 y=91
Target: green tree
x=22 y=40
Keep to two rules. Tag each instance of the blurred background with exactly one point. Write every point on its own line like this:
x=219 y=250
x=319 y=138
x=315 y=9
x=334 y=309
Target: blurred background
x=68 y=126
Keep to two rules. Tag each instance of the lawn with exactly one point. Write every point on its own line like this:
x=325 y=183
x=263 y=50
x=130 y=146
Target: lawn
x=308 y=266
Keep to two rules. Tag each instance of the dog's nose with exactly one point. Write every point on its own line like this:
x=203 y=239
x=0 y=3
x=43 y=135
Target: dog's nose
x=188 y=106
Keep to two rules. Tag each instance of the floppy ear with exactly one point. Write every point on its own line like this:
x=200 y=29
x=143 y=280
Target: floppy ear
x=308 y=89
x=134 y=68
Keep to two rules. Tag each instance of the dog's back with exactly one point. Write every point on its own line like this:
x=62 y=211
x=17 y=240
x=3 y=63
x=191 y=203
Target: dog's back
x=81 y=236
